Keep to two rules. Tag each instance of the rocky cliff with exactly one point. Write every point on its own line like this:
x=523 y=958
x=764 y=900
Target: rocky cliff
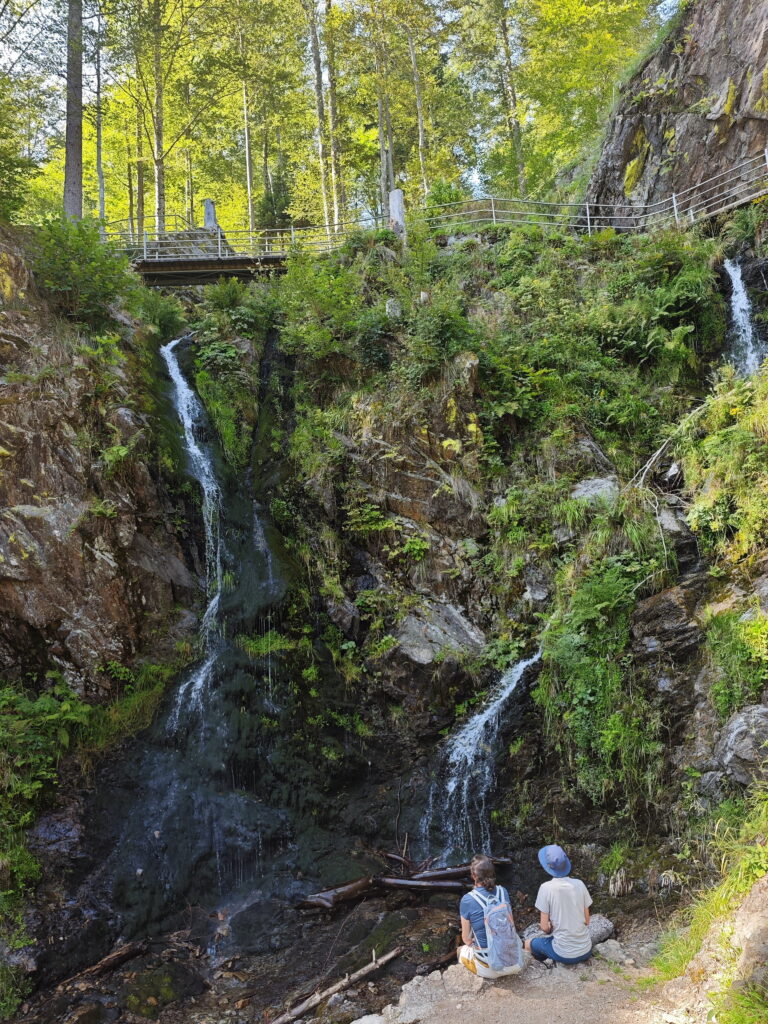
x=698 y=107
x=92 y=572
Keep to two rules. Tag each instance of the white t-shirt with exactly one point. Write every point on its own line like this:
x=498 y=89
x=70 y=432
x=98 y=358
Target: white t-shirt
x=565 y=900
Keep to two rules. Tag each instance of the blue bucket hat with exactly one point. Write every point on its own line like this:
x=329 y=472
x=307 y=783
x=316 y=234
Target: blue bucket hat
x=555 y=861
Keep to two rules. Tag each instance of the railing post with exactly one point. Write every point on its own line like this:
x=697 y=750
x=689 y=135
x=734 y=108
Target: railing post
x=589 y=221
x=691 y=215
x=493 y=209
x=145 y=245
x=674 y=206
x=766 y=156
x=218 y=239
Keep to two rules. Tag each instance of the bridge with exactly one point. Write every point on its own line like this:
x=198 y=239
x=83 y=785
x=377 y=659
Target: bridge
x=184 y=254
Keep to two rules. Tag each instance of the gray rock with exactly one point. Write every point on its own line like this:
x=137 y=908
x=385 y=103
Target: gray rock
x=741 y=750
x=600 y=928
x=597 y=488
x=434 y=629
x=611 y=950
x=345 y=615
x=393 y=309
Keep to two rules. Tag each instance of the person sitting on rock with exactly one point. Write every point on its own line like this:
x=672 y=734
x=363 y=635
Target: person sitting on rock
x=563 y=903
x=488 y=902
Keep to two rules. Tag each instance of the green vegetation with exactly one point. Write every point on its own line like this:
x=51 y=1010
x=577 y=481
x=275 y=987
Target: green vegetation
x=79 y=273
x=743 y=855
x=738 y=643
x=726 y=467
x=229 y=342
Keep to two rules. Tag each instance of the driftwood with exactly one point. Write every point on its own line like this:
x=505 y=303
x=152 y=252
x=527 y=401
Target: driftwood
x=350 y=979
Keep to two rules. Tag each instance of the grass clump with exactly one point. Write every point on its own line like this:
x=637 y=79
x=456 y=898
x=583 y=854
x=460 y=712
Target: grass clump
x=738 y=644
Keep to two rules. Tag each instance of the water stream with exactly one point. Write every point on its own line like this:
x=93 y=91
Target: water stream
x=185 y=816
x=746 y=348
x=457 y=817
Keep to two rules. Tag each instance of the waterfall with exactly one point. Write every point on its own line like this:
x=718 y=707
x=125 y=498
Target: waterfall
x=190 y=694
x=745 y=347
x=457 y=805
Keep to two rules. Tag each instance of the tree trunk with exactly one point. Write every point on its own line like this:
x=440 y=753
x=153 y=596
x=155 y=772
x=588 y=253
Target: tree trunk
x=513 y=117
x=419 y=113
x=73 y=146
x=390 y=143
x=189 y=187
x=158 y=117
x=266 y=177
x=247 y=140
x=248 y=160
x=314 y=39
x=140 y=175
x=131 y=207
x=337 y=174
x=99 y=160
x=383 y=190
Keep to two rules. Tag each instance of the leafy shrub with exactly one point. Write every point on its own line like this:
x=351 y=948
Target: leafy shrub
x=79 y=272
x=162 y=312
x=226 y=294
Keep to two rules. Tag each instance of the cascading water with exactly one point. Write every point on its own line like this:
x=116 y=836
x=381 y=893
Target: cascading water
x=746 y=349
x=457 y=815
x=188 y=816
x=189 y=697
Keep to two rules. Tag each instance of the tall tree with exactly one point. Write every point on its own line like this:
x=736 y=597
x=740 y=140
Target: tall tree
x=73 y=161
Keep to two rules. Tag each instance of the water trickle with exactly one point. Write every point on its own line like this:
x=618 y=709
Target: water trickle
x=457 y=805
x=747 y=351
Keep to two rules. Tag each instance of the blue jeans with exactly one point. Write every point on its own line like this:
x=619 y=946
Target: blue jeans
x=542 y=949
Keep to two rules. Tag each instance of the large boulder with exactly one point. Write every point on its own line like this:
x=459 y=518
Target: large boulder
x=742 y=750
x=431 y=632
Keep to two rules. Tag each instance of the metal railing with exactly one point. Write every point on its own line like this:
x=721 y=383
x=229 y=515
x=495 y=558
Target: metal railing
x=217 y=244
x=719 y=194
x=735 y=187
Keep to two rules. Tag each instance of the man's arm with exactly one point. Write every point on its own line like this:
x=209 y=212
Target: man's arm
x=466 y=932
x=545 y=923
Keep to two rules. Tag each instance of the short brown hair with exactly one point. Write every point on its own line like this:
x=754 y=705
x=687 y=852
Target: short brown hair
x=483 y=871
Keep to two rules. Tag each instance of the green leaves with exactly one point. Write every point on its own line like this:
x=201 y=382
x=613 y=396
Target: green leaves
x=79 y=272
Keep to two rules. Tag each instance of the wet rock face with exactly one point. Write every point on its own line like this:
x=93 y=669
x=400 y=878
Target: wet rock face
x=89 y=562
x=697 y=108
x=664 y=627
x=743 y=745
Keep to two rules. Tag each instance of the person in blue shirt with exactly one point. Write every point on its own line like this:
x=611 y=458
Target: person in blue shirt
x=473 y=936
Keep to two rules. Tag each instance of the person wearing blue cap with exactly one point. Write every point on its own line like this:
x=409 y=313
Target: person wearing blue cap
x=563 y=903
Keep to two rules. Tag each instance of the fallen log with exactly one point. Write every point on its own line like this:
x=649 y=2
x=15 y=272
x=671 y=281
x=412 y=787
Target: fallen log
x=459 y=871
x=421 y=885
x=350 y=979
x=440 y=961
x=110 y=961
x=329 y=898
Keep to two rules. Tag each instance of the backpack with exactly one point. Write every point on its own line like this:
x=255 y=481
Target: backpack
x=504 y=949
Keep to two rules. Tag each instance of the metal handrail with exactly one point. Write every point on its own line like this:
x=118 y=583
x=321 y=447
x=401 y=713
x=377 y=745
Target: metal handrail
x=718 y=194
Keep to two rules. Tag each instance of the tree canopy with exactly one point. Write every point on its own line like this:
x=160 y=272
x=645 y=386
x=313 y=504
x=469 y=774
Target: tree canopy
x=306 y=110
